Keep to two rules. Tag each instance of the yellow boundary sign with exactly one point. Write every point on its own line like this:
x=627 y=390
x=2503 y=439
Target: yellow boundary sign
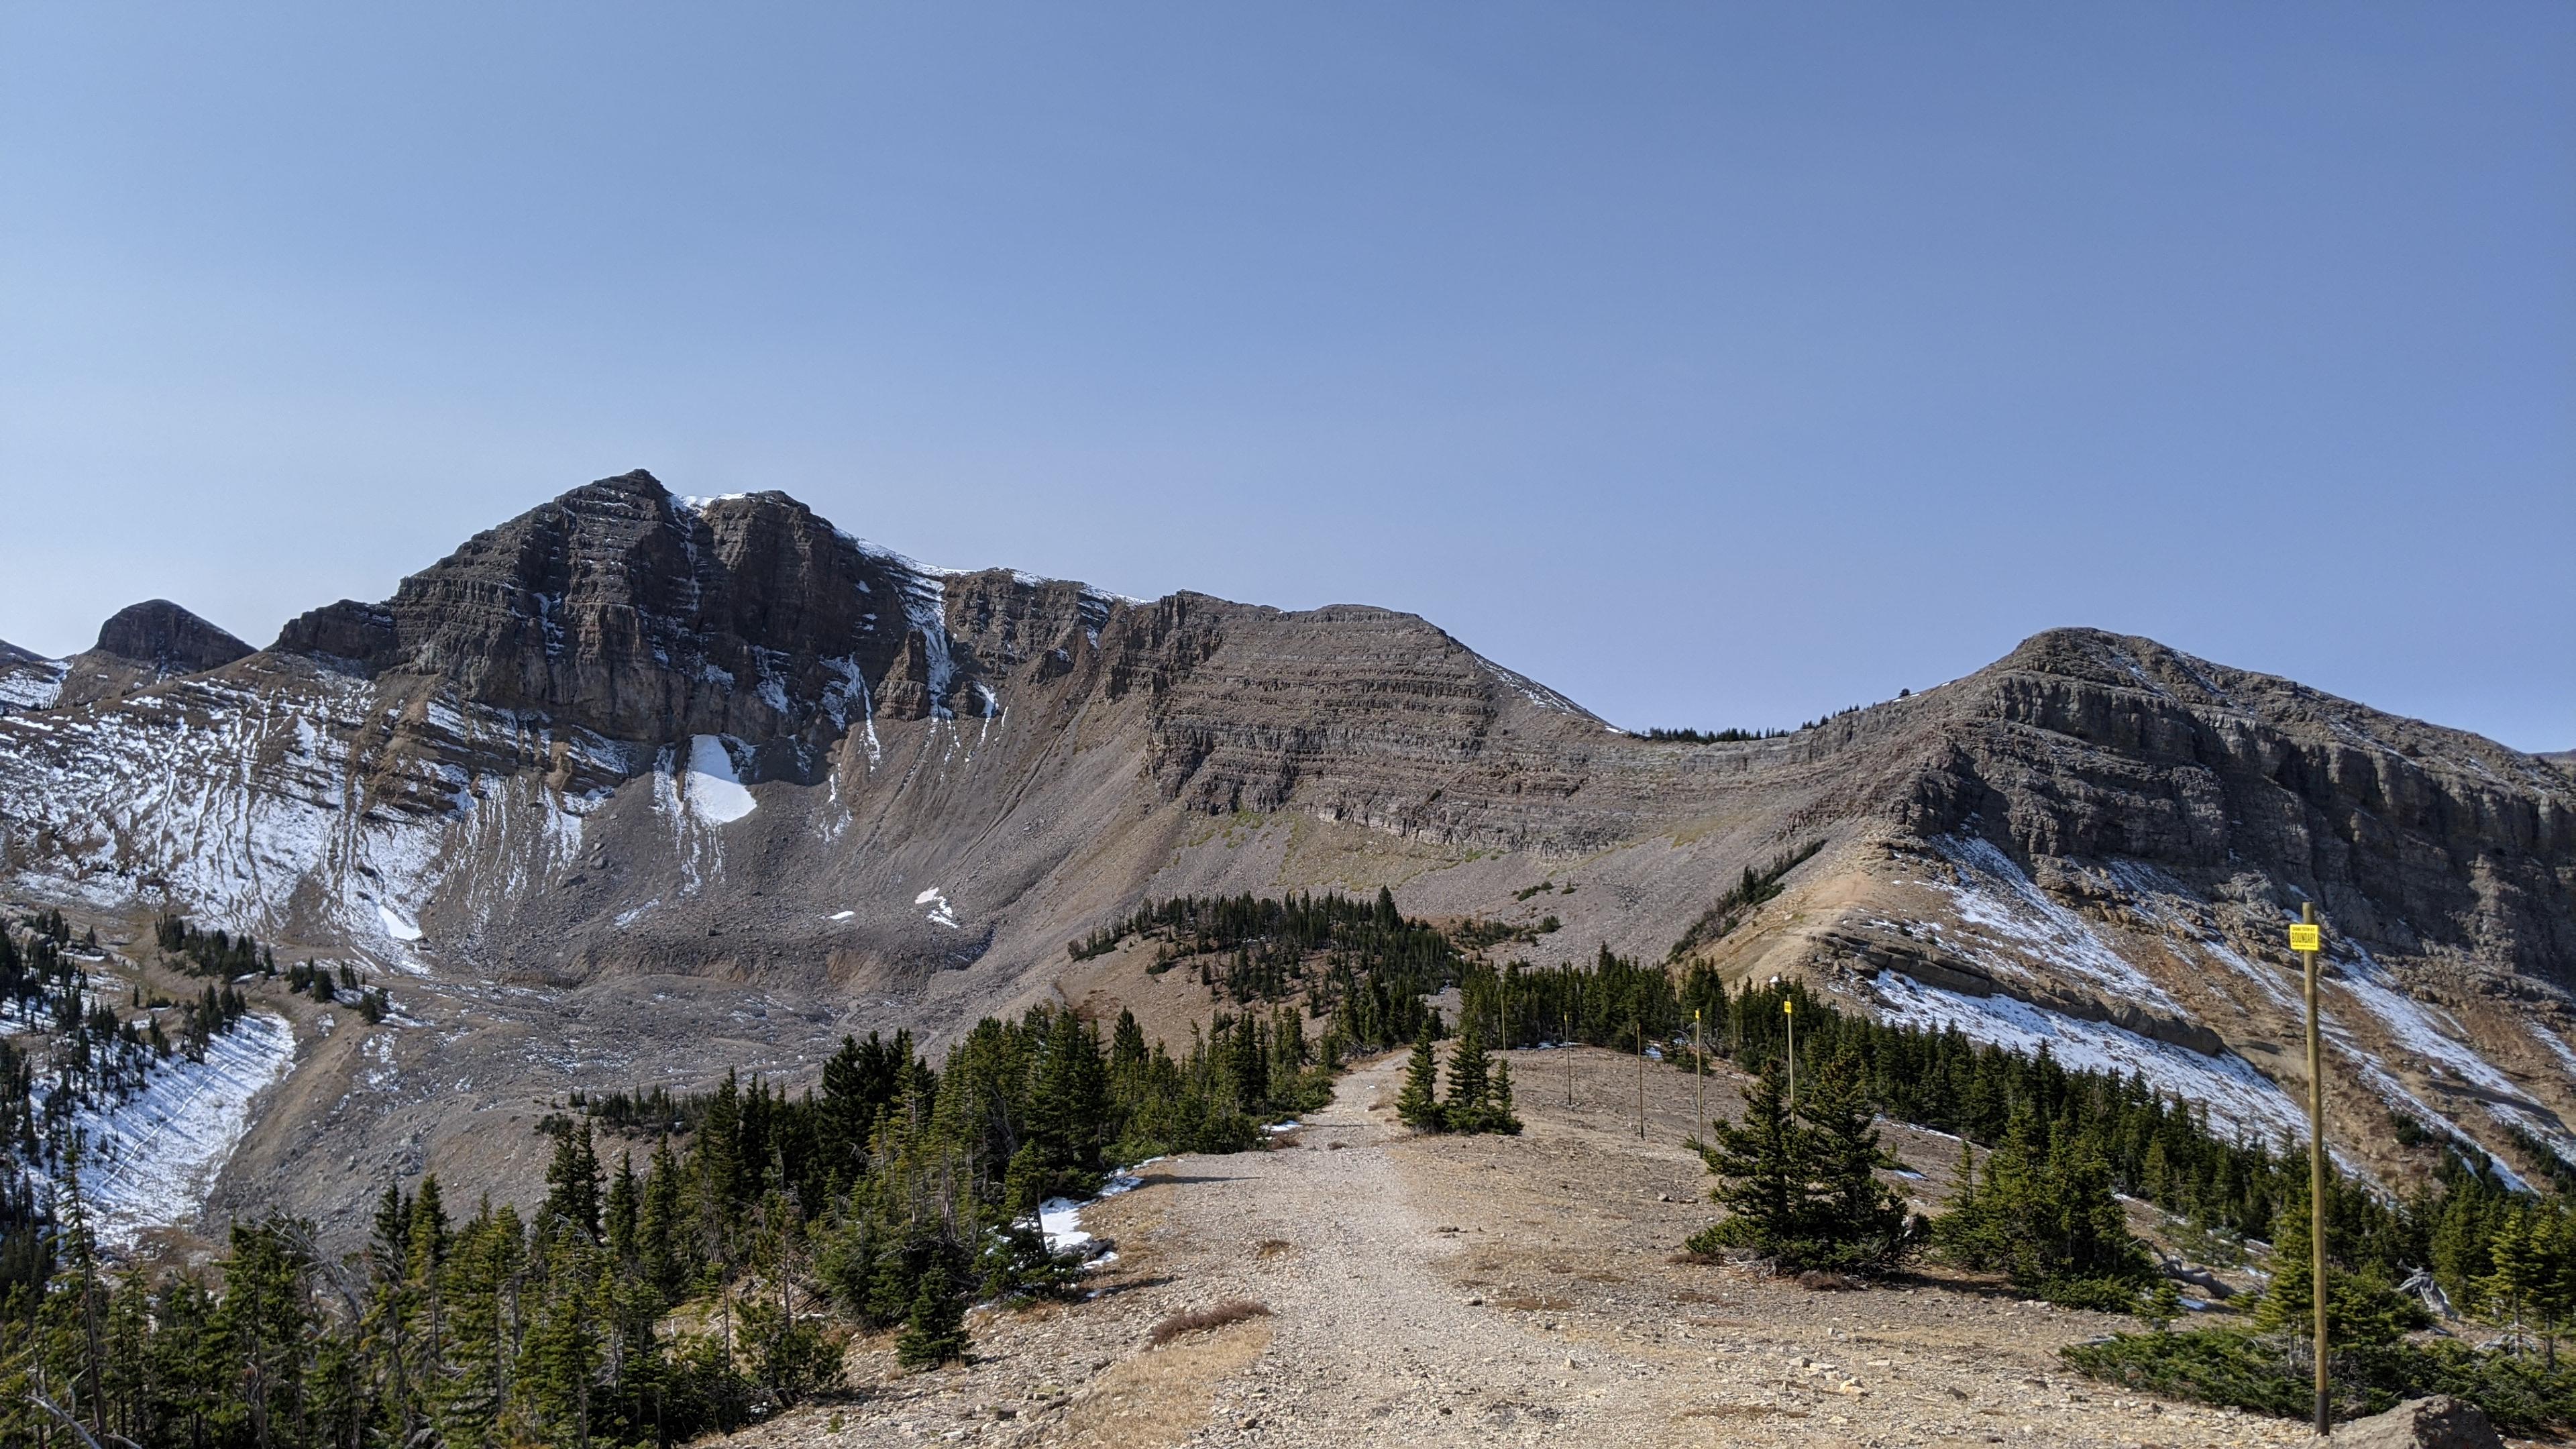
x=2307 y=938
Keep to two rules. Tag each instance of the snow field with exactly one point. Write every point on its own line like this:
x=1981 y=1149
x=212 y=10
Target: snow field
x=154 y=1157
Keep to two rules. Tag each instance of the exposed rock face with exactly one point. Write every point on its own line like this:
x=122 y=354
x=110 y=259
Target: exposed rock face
x=627 y=737
x=2094 y=746
x=143 y=644
x=623 y=610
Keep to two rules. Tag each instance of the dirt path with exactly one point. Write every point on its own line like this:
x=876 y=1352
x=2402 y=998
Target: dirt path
x=1454 y=1291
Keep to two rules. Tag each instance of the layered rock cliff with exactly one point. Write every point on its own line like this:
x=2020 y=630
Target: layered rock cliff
x=630 y=749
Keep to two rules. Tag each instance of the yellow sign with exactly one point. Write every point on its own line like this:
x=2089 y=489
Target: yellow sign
x=1787 y=1010
x=2306 y=938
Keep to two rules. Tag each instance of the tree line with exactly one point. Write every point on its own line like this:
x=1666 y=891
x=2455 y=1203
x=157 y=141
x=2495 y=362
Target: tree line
x=694 y=1285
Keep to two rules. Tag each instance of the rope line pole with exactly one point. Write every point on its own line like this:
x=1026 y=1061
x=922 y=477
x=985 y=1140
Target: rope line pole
x=1641 y=1077
x=2306 y=939
x=1788 y=1010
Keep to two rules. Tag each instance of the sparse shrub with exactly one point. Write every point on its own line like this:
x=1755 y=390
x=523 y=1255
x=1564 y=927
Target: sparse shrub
x=1200 y=1320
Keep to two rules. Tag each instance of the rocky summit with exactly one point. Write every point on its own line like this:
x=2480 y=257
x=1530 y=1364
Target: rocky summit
x=634 y=789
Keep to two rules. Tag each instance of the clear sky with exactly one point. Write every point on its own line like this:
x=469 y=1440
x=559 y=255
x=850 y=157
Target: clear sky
x=1718 y=365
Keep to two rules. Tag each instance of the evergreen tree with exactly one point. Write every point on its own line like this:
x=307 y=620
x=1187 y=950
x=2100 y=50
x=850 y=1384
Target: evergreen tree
x=1858 y=1222
x=1470 y=1080
x=572 y=1181
x=2518 y=1272
x=623 y=1212
x=658 y=1247
x=935 y=1332
x=1418 y=1104
x=1498 y=1104
x=1761 y=1168
x=1802 y=1187
x=2361 y=1306
x=2554 y=1296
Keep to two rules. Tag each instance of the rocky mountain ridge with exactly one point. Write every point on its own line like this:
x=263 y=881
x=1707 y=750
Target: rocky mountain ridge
x=630 y=749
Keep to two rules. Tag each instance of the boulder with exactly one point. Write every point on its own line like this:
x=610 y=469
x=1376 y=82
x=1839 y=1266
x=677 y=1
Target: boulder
x=2440 y=1422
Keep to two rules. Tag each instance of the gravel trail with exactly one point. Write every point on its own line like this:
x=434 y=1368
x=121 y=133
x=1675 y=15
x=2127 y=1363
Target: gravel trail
x=1450 y=1291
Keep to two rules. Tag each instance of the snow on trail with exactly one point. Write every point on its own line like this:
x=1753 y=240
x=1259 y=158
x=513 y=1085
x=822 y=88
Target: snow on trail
x=1060 y=1218
x=153 y=1158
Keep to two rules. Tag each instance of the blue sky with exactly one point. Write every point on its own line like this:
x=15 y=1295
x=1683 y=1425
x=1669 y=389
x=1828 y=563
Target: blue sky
x=1718 y=365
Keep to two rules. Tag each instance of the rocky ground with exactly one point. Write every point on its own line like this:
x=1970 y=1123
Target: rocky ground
x=1441 y=1291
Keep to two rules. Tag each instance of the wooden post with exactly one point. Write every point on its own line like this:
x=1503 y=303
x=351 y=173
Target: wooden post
x=2306 y=938
x=1641 y=1076
x=1788 y=1009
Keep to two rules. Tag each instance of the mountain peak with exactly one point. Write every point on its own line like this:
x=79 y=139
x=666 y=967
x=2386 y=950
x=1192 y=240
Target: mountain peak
x=143 y=644
x=161 y=633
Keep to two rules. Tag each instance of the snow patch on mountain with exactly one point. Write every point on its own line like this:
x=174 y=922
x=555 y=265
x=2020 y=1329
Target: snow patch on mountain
x=715 y=791
x=941 y=913
x=229 y=803
x=396 y=924
x=1531 y=690
x=34 y=684
x=2008 y=921
x=154 y=1157
x=2445 y=1052
x=2239 y=1098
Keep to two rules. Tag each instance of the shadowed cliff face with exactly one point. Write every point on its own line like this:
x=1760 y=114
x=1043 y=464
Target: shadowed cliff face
x=629 y=738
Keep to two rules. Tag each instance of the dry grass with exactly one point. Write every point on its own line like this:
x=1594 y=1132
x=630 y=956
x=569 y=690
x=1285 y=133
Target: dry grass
x=1271 y=1247
x=1199 y=1320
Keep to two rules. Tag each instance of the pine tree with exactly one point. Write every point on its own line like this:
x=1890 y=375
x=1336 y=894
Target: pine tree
x=572 y=1181
x=2162 y=1305
x=1762 y=1171
x=267 y=1321
x=658 y=1229
x=2518 y=1271
x=1857 y=1222
x=935 y=1332
x=1470 y=1080
x=1498 y=1105
x=1418 y=1104
x=625 y=1204
x=2361 y=1307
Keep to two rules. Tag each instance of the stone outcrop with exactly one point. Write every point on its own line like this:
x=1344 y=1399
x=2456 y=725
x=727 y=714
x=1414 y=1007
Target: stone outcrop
x=143 y=644
x=2439 y=1422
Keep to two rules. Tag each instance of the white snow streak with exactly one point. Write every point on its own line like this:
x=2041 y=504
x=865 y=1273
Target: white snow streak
x=2011 y=920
